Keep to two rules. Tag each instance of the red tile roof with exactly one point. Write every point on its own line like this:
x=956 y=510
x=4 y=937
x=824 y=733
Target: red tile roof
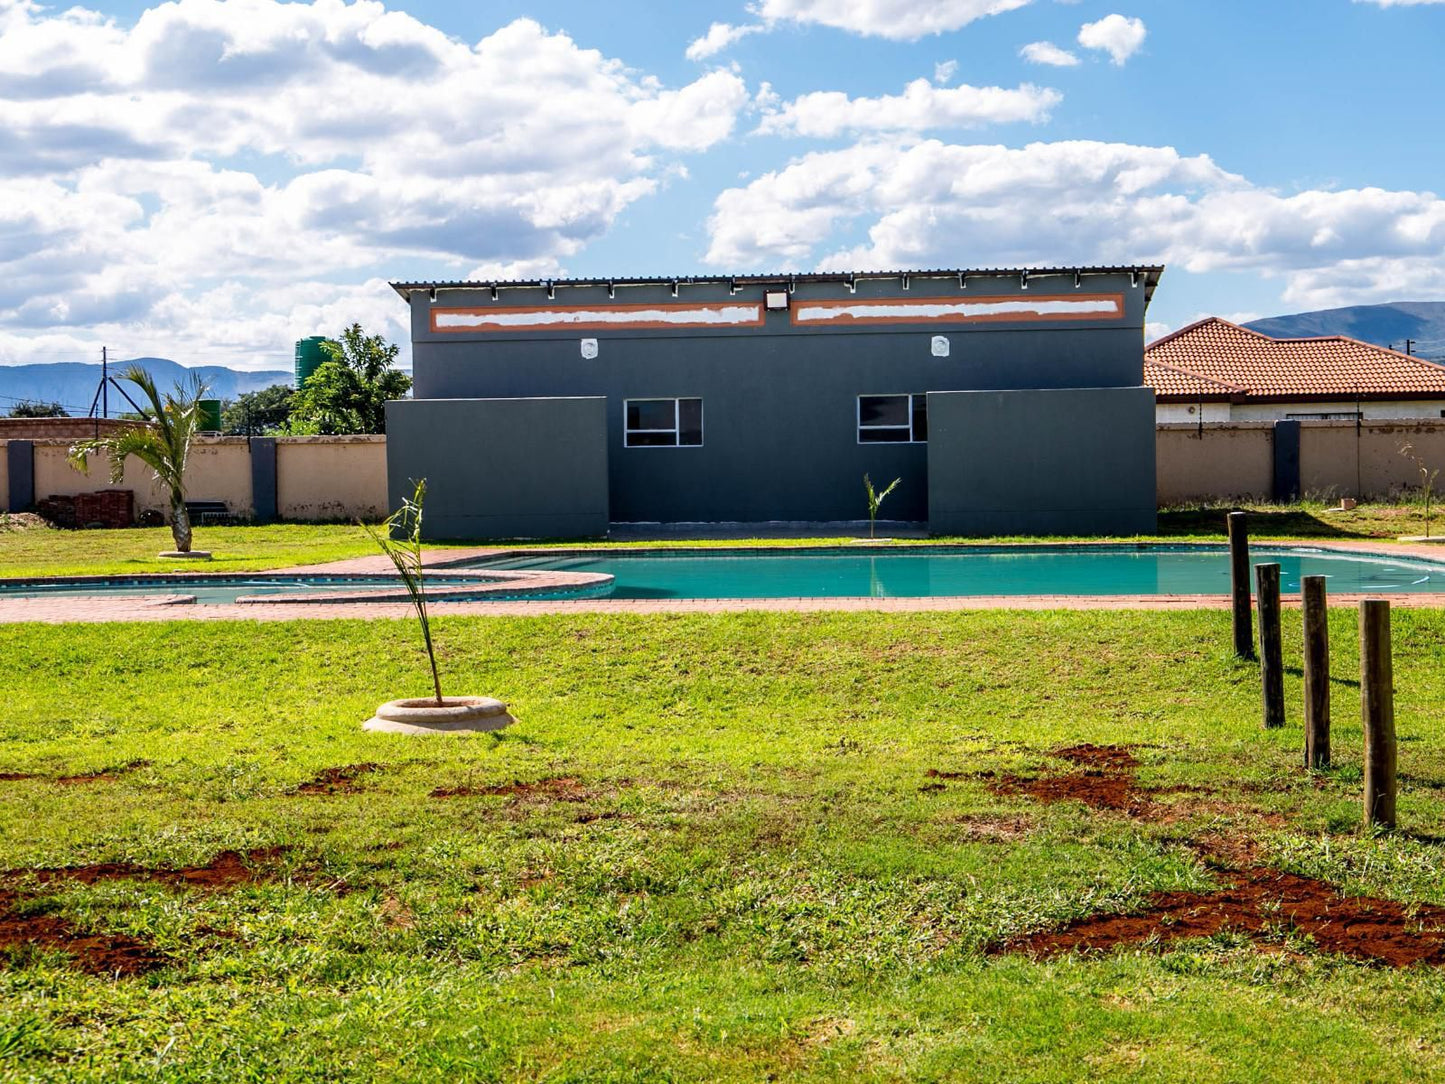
x=1216 y=360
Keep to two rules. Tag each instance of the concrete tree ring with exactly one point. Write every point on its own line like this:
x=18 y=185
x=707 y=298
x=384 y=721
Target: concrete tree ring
x=455 y=715
x=188 y=555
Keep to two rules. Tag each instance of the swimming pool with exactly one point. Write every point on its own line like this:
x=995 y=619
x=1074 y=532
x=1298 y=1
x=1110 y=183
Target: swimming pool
x=933 y=571
x=839 y=572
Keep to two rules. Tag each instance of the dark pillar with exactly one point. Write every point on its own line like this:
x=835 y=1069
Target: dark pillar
x=1239 y=585
x=1317 y=673
x=20 y=466
x=1271 y=652
x=263 y=479
x=1286 y=461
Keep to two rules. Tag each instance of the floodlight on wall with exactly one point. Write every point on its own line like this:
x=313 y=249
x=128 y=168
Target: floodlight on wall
x=775 y=300
x=589 y=348
x=940 y=346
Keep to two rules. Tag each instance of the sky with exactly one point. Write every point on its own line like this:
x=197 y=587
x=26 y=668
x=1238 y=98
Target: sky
x=209 y=180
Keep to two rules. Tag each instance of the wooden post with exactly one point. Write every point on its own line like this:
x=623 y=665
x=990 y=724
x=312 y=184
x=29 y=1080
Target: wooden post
x=1377 y=705
x=1271 y=652
x=1239 y=584
x=1317 y=673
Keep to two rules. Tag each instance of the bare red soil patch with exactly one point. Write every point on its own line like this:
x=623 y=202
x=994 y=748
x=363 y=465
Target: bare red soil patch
x=95 y=953
x=1105 y=781
x=561 y=789
x=340 y=780
x=104 y=775
x=1257 y=900
x=10 y=777
x=226 y=870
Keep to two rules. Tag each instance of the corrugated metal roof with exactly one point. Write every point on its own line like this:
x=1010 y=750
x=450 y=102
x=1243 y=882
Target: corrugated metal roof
x=1151 y=275
x=1214 y=359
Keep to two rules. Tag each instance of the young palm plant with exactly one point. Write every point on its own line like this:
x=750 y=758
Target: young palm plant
x=400 y=539
x=161 y=440
x=875 y=501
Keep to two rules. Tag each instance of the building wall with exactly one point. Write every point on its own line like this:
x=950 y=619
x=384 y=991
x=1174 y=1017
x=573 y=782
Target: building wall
x=780 y=399
x=502 y=468
x=331 y=478
x=1006 y=462
x=1181 y=413
x=1402 y=410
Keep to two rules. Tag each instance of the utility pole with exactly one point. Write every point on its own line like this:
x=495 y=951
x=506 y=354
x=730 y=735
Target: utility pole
x=1410 y=348
x=104 y=382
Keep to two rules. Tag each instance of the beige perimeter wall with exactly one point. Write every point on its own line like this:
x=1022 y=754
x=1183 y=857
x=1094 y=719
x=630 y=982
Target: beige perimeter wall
x=1337 y=459
x=341 y=478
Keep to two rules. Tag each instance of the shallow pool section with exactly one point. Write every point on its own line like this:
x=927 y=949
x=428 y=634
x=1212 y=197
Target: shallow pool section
x=221 y=588
x=924 y=572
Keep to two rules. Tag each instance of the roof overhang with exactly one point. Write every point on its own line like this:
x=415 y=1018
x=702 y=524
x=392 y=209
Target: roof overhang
x=1147 y=275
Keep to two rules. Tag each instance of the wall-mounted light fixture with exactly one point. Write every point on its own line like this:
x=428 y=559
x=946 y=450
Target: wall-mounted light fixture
x=589 y=348
x=775 y=300
x=940 y=346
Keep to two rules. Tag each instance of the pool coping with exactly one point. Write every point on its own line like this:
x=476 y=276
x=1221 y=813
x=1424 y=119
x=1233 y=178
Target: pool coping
x=166 y=607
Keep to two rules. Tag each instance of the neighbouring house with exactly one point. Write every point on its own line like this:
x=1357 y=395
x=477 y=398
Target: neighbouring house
x=1005 y=400
x=1215 y=371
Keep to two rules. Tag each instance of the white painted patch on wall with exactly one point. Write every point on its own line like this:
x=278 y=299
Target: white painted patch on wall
x=1101 y=306
x=597 y=316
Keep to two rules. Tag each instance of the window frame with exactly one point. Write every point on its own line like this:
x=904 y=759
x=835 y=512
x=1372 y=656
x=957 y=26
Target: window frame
x=676 y=430
x=912 y=398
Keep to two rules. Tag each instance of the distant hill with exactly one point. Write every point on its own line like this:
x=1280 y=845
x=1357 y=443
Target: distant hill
x=1383 y=325
x=73 y=384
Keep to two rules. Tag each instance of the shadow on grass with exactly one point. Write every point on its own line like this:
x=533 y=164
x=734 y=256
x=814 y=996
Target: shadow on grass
x=1294 y=522
x=1298 y=671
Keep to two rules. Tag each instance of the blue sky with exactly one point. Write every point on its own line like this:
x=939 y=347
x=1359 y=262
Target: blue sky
x=210 y=180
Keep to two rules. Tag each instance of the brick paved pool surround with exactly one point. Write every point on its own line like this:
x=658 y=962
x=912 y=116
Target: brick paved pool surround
x=510 y=600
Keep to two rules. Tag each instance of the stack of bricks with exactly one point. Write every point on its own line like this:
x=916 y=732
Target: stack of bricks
x=108 y=508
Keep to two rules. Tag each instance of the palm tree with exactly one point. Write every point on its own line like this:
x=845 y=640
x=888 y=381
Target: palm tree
x=161 y=440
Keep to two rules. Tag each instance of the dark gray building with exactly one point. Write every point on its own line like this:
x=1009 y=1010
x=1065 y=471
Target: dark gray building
x=1006 y=401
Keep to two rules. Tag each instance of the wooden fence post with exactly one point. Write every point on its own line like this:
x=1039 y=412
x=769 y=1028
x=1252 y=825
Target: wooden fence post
x=1239 y=584
x=1271 y=652
x=1317 y=673
x=1377 y=705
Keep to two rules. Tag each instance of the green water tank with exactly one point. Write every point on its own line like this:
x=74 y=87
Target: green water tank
x=309 y=357
x=210 y=410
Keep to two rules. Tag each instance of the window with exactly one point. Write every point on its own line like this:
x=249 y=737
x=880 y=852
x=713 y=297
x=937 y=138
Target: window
x=662 y=423
x=892 y=419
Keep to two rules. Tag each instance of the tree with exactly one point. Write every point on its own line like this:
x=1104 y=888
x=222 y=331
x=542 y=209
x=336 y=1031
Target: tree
x=162 y=442
x=400 y=539
x=348 y=392
x=256 y=413
x=36 y=409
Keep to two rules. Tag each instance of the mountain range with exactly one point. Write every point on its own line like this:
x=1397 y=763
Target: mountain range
x=73 y=383
x=1384 y=325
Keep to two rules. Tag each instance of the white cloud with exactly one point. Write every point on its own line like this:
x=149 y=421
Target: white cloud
x=1399 y=3
x=1116 y=35
x=718 y=37
x=944 y=71
x=930 y=204
x=226 y=157
x=920 y=107
x=897 y=20
x=1046 y=52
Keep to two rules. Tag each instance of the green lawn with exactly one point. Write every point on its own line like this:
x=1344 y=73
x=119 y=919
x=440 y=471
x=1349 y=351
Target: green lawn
x=44 y=552
x=739 y=870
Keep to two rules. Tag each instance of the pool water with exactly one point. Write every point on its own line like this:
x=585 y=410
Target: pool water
x=216 y=589
x=922 y=572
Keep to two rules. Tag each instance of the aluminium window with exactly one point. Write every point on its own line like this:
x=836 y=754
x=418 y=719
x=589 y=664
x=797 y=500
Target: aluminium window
x=662 y=423
x=892 y=419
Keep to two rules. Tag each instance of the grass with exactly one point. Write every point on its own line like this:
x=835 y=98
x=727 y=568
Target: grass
x=742 y=878
x=44 y=552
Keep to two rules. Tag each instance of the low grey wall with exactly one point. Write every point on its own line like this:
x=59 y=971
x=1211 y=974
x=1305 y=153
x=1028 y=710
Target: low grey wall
x=1067 y=461
x=502 y=468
